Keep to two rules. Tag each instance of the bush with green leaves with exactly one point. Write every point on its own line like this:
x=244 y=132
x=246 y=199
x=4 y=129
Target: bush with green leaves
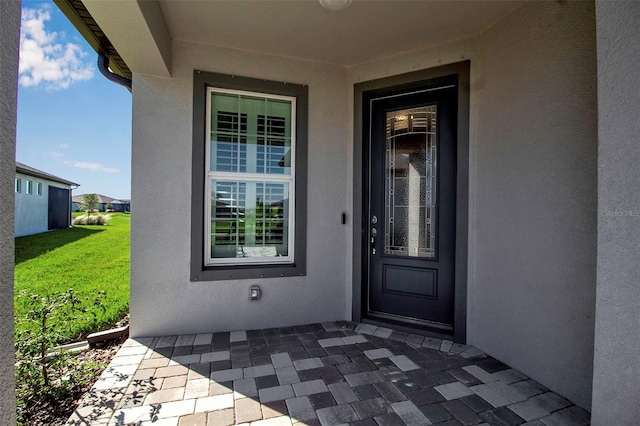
x=44 y=375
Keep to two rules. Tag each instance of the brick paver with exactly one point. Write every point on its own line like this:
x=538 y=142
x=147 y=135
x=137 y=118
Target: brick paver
x=343 y=393
x=300 y=409
x=317 y=374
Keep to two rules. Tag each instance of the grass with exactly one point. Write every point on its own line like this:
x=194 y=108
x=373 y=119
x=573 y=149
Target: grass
x=84 y=258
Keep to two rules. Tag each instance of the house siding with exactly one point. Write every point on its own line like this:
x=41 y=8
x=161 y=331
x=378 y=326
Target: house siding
x=9 y=42
x=533 y=186
x=32 y=210
x=617 y=344
x=163 y=300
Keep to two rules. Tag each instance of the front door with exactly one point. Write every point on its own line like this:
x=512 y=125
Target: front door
x=412 y=211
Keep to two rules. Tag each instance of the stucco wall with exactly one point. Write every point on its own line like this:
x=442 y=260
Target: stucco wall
x=532 y=302
x=9 y=40
x=533 y=151
x=32 y=210
x=532 y=239
x=616 y=382
x=163 y=300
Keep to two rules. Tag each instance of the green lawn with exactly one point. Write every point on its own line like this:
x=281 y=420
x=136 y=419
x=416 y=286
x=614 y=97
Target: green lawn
x=86 y=259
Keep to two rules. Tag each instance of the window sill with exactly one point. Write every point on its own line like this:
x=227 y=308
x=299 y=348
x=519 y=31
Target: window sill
x=243 y=272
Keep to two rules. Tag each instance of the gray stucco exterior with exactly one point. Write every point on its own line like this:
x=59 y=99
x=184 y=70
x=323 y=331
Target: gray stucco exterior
x=163 y=299
x=532 y=295
x=617 y=333
x=532 y=208
x=532 y=225
x=553 y=217
x=9 y=41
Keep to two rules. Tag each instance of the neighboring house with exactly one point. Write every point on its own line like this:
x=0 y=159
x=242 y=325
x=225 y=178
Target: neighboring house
x=104 y=203
x=460 y=169
x=122 y=206
x=42 y=201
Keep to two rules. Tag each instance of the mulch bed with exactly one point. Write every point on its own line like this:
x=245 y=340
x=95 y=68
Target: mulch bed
x=57 y=411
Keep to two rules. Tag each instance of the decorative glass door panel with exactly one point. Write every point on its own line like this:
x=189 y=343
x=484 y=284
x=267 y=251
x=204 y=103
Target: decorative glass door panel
x=410 y=182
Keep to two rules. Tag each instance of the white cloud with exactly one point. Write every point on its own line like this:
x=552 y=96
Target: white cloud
x=56 y=154
x=44 y=60
x=63 y=146
x=93 y=167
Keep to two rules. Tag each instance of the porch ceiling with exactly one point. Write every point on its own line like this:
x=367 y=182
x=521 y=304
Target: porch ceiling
x=367 y=30
x=140 y=31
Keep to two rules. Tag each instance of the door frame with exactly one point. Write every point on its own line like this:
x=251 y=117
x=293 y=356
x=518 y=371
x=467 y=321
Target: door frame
x=388 y=85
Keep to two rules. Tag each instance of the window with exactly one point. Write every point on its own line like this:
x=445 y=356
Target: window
x=29 y=187
x=39 y=188
x=251 y=207
x=249 y=178
x=18 y=185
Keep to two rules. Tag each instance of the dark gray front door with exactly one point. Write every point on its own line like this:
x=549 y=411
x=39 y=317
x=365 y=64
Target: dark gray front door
x=411 y=217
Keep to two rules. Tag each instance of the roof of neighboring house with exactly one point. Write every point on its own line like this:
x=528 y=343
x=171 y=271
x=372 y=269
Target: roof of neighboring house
x=30 y=171
x=77 y=13
x=102 y=199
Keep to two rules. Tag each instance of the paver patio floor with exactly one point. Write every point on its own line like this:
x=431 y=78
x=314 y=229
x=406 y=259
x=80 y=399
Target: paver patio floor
x=319 y=374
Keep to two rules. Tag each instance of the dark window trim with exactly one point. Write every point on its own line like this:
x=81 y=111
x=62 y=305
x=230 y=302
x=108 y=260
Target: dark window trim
x=199 y=271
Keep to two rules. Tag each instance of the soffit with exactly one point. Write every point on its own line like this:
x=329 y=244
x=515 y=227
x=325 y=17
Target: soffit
x=80 y=17
x=366 y=31
x=138 y=32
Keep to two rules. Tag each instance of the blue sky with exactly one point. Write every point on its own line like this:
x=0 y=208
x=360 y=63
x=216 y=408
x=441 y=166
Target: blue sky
x=72 y=121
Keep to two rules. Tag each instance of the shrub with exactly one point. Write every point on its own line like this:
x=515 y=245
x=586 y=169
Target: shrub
x=43 y=375
x=86 y=258
x=100 y=219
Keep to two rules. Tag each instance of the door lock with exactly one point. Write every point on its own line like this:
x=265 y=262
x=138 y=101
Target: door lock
x=374 y=234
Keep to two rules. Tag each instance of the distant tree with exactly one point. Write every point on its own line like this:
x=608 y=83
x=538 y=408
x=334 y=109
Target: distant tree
x=89 y=203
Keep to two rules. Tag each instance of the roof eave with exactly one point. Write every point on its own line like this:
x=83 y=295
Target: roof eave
x=42 y=175
x=79 y=16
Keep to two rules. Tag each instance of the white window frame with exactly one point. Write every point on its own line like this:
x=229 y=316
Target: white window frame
x=210 y=176
x=28 y=188
x=17 y=185
x=39 y=188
